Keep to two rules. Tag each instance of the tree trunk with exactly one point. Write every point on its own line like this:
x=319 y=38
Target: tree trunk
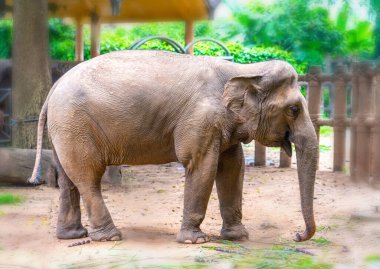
x=16 y=166
x=31 y=73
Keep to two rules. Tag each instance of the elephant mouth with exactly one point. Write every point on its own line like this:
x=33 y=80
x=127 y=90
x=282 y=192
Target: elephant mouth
x=286 y=145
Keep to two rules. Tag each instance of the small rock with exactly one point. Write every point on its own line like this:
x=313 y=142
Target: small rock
x=267 y=225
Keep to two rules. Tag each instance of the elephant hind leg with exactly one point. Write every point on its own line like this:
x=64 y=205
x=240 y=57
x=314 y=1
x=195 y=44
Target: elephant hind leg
x=102 y=227
x=69 y=224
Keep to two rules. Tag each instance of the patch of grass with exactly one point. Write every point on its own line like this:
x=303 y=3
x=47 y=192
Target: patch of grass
x=324 y=148
x=326 y=131
x=372 y=258
x=321 y=228
x=321 y=241
x=276 y=257
x=9 y=198
x=180 y=266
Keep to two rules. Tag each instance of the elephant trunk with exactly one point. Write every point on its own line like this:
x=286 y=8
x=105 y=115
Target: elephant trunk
x=307 y=147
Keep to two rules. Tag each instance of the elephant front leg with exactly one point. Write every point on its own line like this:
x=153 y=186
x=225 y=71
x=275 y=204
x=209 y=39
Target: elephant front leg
x=198 y=186
x=229 y=183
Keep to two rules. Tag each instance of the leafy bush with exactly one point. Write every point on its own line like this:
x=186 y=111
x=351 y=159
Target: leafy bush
x=120 y=39
x=9 y=198
x=62 y=42
x=6 y=39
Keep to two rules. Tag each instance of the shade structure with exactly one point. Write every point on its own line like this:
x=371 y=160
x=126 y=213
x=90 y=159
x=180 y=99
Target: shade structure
x=119 y=11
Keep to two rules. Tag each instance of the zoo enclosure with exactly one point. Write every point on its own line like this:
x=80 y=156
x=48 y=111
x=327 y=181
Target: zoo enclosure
x=359 y=86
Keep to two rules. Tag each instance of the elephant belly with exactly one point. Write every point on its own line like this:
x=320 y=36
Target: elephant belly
x=148 y=153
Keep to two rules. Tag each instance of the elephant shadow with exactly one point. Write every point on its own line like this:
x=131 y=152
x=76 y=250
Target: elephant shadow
x=146 y=233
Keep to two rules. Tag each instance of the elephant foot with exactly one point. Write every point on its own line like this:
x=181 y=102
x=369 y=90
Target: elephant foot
x=192 y=236
x=237 y=232
x=107 y=233
x=71 y=232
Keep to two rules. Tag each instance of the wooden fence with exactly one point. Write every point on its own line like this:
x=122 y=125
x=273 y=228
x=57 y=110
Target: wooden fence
x=359 y=86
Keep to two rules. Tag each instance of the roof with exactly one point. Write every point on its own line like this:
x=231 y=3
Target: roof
x=117 y=11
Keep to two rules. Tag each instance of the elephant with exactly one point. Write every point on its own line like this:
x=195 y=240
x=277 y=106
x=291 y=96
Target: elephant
x=155 y=107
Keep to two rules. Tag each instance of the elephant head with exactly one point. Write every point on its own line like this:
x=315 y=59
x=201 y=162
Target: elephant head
x=271 y=109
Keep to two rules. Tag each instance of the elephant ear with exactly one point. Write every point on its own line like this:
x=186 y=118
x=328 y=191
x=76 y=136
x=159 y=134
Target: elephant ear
x=242 y=96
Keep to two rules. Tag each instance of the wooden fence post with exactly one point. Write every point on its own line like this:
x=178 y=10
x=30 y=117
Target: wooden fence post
x=340 y=107
x=362 y=145
x=314 y=97
x=375 y=161
x=285 y=160
x=354 y=105
x=260 y=154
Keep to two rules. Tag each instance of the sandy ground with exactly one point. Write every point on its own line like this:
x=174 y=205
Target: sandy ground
x=148 y=210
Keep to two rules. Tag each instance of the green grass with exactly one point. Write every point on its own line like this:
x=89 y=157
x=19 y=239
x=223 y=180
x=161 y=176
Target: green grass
x=326 y=131
x=272 y=258
x=9 y=199
x=321 y=241
x=372 y=258
x=324 y=148
x=321 y=228
x=224 y=251
x=276 y=257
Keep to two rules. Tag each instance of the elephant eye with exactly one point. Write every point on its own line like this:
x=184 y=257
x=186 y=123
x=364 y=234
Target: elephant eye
x=293 y=111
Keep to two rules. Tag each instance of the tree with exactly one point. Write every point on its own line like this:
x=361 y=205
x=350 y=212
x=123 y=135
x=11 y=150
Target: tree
x=374 y=7
x=31 y=72
x=302 y=27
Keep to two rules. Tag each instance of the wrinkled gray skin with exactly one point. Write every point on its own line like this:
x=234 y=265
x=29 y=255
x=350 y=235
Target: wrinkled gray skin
x=149 y=107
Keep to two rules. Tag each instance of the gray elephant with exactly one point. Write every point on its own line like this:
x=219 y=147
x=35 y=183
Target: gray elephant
x=154 y=107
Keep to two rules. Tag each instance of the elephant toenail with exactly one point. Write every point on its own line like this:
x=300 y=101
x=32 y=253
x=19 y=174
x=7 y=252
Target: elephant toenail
x=188 y=241
x=115 y=238
x=200 y=240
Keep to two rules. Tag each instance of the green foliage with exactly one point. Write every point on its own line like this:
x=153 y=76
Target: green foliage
x=321 y=241
x=373 y=259
x=62 y=40
x=297 y=26
x=302 y=31
x=359 y=41
x=326 y=131
x=326 y=102
x=272 y=258
x=324 y=148
x=5 y=39
x=9 y=198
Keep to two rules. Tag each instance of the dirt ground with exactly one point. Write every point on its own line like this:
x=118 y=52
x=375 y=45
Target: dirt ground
x=148 y=210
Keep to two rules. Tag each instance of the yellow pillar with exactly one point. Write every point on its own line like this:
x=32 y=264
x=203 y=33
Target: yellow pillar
x=79 y=48
x=95 y=36
x=189 y=35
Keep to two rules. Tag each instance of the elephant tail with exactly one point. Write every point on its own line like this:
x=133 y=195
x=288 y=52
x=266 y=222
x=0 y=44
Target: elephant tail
x=37 y=170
